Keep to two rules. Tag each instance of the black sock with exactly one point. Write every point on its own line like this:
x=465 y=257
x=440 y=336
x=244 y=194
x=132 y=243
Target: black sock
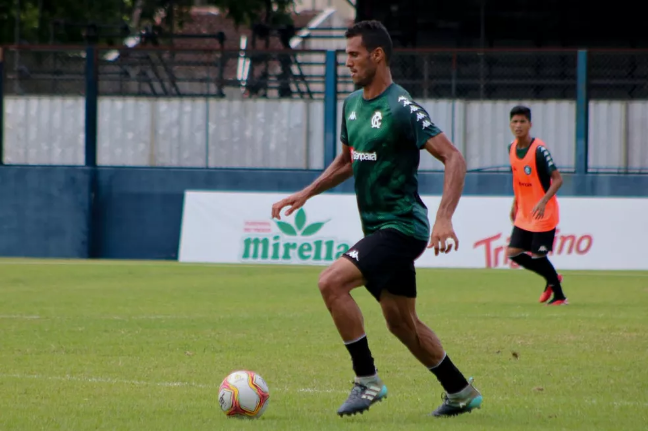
x=539 y=266
x=543 y=267
x=527 y=262
x=449 y=376
x=363 y=363
x=547 y=270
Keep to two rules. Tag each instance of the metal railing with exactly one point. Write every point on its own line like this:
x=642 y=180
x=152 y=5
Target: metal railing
x=449 y=74
x=165 y=72
x=586 y=90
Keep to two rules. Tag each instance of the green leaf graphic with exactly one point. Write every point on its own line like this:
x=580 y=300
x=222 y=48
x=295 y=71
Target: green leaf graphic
x=313 y=228
x=286 y=228
x=300 y=219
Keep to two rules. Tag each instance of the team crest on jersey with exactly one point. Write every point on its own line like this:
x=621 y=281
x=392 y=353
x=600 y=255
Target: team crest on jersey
x=527 y=170
x=376 y=120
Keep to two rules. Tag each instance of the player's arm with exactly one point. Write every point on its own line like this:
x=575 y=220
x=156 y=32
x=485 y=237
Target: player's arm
x=336 y=173
x=514 y=204
x=454 y=177
x=556 y=182
x=419 y=127
x=547 y=165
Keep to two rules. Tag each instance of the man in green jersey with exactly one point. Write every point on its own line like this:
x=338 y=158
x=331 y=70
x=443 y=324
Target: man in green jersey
x=383 y=132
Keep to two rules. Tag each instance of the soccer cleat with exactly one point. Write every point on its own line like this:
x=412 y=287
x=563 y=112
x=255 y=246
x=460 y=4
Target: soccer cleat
x=463 y=402
x=362 y=397
x=558 y=302
x=544 y=296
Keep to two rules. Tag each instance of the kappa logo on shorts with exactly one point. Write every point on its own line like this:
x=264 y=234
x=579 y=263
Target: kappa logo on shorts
x=542 y=249
x=353 y=254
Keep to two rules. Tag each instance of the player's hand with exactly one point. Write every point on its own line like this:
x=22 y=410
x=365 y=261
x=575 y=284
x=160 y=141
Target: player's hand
x=538 y=211
x=441 y=233
x=294 y=201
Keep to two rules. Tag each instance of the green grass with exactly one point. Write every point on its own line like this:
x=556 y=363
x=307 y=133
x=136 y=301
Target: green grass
x=144 y=346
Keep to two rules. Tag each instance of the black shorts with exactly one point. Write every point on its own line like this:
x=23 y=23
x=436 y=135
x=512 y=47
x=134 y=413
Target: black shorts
x=535 y=242
x=386 y=261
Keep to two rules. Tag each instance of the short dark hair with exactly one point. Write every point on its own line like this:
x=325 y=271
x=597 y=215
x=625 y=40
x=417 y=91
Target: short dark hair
x=521 y=110
x=374 y=35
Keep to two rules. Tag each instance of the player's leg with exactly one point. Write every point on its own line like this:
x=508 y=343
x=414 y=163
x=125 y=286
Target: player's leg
x=541 y=245
x=522 y=241
x=335 y=285
x=394 y=285
x=402 y=321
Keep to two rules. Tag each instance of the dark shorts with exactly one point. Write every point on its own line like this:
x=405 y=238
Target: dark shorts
x=386 y=260
x=535 y=242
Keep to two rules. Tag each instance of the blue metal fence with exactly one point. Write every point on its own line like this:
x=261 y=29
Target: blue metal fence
x=454 y=74
x=582 y=109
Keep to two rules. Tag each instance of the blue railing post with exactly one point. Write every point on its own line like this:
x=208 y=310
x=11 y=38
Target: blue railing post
x=91 y=112
x=330 y=108
x=582 y=113
x=1 y=106
x=92 y=90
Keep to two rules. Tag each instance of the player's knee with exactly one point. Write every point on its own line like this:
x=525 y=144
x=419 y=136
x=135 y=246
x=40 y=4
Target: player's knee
x=512 y=252
x=328 y=283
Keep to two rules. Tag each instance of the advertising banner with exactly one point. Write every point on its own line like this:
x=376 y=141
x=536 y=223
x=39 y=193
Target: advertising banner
x=222 y=227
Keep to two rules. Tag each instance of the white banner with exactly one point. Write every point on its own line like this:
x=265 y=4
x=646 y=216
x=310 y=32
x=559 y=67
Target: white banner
x=221 y=227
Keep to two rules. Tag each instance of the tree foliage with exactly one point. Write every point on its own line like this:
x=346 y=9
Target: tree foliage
x=67 y=21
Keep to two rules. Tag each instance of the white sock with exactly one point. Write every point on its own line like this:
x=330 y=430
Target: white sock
x=462 y=393
x=367 y=380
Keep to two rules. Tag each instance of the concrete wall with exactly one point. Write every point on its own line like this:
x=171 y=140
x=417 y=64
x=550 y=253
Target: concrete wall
x=135 y=213
x=289 y=134
x=45 y=212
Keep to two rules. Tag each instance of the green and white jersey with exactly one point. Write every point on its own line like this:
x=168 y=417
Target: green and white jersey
x=385 y=136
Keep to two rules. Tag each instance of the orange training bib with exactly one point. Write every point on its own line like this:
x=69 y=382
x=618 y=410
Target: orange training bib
x=529 y=191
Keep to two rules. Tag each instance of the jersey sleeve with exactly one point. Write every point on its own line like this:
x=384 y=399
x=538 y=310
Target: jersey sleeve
x=544 y=161
x=415 y=122
x=343 y=130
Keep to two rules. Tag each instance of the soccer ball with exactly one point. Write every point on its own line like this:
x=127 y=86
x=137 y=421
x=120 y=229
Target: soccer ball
x=243 y=394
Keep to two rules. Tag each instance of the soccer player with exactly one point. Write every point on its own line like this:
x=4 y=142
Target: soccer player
x=383 y=131
x=535 y=212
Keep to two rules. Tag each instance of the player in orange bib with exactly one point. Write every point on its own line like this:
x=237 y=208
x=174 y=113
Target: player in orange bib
x=535 y=213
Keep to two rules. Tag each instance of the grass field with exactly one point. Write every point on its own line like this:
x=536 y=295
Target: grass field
x=144 y=346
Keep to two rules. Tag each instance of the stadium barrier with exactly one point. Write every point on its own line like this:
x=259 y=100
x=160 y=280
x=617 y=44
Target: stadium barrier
x=327 y=226
x=136 y=213
x=98 y=211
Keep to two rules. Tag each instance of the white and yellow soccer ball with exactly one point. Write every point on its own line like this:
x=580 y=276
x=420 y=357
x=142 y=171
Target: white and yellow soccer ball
x=243 y=394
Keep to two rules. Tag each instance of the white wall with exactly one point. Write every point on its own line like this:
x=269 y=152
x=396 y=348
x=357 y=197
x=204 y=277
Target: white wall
x=44 y=130
x=290 y=133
